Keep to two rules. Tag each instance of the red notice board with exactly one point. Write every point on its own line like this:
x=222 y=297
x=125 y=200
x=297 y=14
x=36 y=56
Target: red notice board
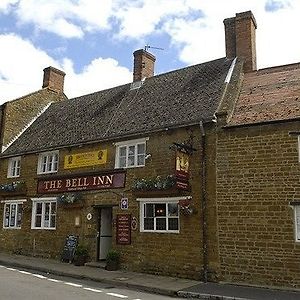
x=123 y=229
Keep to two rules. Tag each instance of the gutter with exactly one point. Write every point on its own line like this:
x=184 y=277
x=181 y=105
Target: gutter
x=204 y=203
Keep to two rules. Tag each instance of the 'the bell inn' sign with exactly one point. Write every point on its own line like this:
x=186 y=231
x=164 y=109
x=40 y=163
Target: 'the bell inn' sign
x=81 y=182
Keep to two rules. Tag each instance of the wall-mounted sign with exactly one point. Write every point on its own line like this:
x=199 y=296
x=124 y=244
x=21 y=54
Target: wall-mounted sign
x=85 y=159
x=96 y=181
x=133 y=223
x=123 y=233
x=124 y=203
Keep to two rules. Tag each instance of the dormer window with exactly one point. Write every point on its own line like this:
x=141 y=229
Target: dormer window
x=131 y=154
x=14 y=167
x=48 y=162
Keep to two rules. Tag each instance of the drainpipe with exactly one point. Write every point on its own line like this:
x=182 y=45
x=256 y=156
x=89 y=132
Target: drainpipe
x=203 y=202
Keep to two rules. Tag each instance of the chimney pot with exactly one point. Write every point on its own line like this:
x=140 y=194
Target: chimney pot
x=143 y=65
x=54 y=79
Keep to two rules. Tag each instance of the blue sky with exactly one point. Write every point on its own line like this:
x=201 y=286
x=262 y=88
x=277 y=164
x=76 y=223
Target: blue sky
x=93 y=40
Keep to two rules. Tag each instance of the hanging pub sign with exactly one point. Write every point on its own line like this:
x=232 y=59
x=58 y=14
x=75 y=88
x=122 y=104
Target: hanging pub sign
x=85 y=159
x=95 y=181
x=182 y=169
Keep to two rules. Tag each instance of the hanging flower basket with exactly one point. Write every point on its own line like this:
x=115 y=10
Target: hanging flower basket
x=154 y=184
x=186 y=207
x=16 y=187
x=70 y=200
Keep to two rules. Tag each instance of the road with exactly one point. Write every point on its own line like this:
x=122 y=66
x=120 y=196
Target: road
x=26 y=285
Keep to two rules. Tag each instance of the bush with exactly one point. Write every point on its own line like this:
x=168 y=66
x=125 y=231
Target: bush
x=81 y=250
x=113 y=255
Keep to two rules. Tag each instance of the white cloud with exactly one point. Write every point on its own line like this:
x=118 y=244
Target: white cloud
x=5 y=5
x=22 y=74
x=98 y=75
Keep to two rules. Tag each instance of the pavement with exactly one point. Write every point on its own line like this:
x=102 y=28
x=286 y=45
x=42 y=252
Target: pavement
x=176 y=287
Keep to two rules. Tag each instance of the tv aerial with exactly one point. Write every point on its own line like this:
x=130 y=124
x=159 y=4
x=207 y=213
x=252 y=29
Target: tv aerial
x=150 y=47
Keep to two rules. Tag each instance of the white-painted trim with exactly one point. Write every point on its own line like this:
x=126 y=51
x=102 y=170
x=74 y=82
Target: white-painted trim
x=44 y=199
x=164 y=199
x=127 y=144
x=296 y=212
x=48 y=154
x=9 y=168
x=14 y=201
x=28 y=125
x=33 y=213
x=132 y=142
x=230 y=71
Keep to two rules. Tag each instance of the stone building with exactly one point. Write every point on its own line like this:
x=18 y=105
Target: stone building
x=192 y=173
x=130 y=168
x=258 y=177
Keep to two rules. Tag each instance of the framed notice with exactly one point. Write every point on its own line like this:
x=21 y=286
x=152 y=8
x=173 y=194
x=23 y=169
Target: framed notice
x=123 y=228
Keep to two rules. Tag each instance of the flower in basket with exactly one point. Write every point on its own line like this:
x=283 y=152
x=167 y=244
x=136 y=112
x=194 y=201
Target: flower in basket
x=157 y=183
x=186 y=206
x=12 y=187
x=69 y=198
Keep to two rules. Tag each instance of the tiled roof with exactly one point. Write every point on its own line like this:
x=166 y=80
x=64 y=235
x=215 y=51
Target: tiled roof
x=271 y=94
x=173 y=99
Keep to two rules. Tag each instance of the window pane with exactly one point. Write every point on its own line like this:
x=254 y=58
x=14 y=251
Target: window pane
x=130 y=161
x=39 y=208
x=122 y=162
x=122 y=151
x=53 y=208
x=52 y=221
x=141 y=148
x=173 y=223
x=38 y=221
x=6 y=216
x=19 y=215
x=12 y=215
x=160 y=210
x=149 y=210
x=131 y=150
x=141 y=160
x=161 y=224
x=172 y=209
x=149 y=224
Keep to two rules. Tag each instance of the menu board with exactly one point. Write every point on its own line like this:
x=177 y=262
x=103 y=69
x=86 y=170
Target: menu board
x=69 y=248
x=123 y=229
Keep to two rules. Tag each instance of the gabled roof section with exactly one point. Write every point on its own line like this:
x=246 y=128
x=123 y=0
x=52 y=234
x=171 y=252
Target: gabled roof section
x=19 y=112
x=268 y=95
x=178 y=98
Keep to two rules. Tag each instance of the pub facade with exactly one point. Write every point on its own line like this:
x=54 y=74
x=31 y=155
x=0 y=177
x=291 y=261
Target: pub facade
x=130 y=168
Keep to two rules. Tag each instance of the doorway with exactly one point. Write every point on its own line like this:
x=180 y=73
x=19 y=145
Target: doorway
x=104 y=242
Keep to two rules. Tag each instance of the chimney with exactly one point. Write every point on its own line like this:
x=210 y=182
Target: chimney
x=54 y=79
x=143 y=65
x=240 y=39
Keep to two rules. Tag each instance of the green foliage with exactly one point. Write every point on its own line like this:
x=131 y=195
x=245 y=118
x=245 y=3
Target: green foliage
x=157 y=183
x=81 y=250
x=113 y=255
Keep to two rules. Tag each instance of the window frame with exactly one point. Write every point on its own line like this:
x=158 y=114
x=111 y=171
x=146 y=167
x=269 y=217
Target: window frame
x=43 y=201
x=17 y=203
x=47 y=155
x=162 y=200
x=14 y=167
x=128 y=144
x=297 y=216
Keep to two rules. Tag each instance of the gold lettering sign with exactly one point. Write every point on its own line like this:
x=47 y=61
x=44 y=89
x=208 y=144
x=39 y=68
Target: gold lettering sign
x=86 y=159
